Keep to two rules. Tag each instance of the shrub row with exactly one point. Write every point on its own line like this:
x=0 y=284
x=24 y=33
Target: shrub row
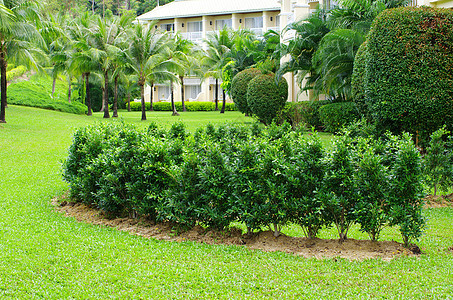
x=263 y=177
x=28 y=94
x=15 y=73
x=190 y=106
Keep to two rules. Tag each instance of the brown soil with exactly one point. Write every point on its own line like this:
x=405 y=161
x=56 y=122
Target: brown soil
x=439 y=201
x=310 y=248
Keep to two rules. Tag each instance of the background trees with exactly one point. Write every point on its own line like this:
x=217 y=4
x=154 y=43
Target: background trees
x=16 y=36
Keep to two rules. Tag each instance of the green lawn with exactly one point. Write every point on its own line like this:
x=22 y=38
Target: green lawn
x=45 y=255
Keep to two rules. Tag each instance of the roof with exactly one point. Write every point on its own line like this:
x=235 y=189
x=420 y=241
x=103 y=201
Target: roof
x=196 y=8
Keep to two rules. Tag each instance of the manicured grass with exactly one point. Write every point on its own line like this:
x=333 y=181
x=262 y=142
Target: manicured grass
x=45 y=255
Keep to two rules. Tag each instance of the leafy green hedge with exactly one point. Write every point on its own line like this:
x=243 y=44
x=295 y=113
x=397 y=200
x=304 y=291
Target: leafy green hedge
x=190 y=106
x=29 y=93
x=16 y=72
x=357 y=81
x=265 y=97
x=409 y=70
x=337 y=115
x=304 y=112
x=262 y=177
x=239 y=86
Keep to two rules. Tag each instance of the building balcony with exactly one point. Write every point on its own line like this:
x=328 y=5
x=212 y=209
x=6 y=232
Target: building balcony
x=196 y=36
x=276 y=29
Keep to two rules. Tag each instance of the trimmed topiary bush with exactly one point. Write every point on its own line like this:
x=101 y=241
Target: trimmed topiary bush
x=265 y=97
x=409 y=70
x=239 y=86
x=357 y=81
x=336 y=115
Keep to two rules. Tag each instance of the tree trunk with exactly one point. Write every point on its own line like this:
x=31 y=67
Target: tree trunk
x=223 y=102
x=87 y=96
x=142 y=93
x=151 y=108
x=128 y=102
x=54 y=81
x=106 y=95
x=182 y=93
x=115 y=99
x=173 y=107
x=128 y=4
x=216 y=96
x=69 y=89
x=3 y=66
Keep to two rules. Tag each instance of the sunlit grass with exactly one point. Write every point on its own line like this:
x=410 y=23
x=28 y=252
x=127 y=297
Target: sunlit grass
x=44 y=255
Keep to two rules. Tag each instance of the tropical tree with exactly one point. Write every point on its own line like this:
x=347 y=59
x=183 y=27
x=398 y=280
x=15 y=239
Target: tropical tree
x=18 y=37
x=218 y=45
x=149 y=58
x=83 y=59
x=188 y=56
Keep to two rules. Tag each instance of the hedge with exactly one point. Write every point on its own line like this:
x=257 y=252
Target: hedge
x=408 y=79
x=263 y=178
x=304 y=112
x=15 y=73
x=337 y=115
x=27 y=93
x=265 y=97
x=190 y=106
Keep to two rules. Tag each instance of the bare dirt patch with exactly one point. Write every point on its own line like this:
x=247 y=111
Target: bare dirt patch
x=439 y=201
x=310 y=248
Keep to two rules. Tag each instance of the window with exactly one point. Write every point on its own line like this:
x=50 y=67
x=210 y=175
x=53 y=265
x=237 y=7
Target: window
x=192 y=91
x=164 y=92
x=220 y=24
x=256 y=22
x=194 y=26
x=168 y=27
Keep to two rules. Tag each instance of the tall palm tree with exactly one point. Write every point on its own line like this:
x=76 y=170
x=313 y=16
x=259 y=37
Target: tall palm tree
x=218 y=45
x=17 y=33
x=149 y=58
x=81 y=60
x=188 y=55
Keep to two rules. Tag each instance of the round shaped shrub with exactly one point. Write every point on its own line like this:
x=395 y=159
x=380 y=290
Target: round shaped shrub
x=409 y=70
x=358 y=76
x=239 y=86
x=265 y=97
x=336 y=115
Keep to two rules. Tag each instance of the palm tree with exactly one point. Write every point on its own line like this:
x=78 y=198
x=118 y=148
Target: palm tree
x=218 y=45
x=188 y=56
x=300 y=50
x=149 y=58
x=81 y=60
x=16 y=36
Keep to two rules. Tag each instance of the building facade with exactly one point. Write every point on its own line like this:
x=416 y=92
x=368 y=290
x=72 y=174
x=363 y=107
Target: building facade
x=196 y=19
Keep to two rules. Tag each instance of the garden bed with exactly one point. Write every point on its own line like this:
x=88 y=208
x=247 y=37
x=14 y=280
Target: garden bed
x=350 y=249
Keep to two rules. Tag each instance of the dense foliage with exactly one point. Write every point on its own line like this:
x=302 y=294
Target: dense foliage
x=408 y=71
x=263 y=177
x=239 y=86
x=335 y=116
x=36 y=94
x=190 y=106
x=266 y=97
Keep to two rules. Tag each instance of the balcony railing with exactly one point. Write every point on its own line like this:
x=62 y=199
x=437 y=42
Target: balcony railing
x=257 y=31
x=276 y=29
x=195 y=36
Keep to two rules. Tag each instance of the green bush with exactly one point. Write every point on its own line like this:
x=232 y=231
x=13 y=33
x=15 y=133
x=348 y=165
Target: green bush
x=16 y=72
x=229 y=173
x=239 y=86
x=265 y=97
x=357 y=81
x=36 y=93
x=190 y=106
x=438 y=161
x=303 y=112
x=408 y=70
x=336 y=115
